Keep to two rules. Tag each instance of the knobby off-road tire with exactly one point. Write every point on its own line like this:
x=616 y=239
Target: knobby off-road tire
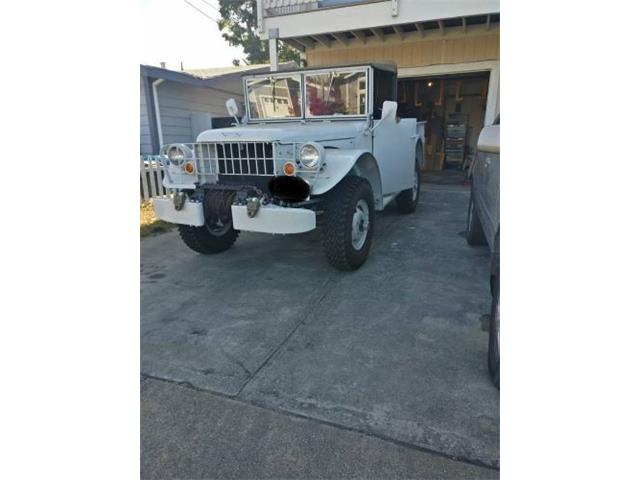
x=473 y=232
x=206 y=240
x=348 y=214
x=407 y=200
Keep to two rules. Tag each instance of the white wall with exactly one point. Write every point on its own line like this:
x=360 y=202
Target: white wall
x=373 y=15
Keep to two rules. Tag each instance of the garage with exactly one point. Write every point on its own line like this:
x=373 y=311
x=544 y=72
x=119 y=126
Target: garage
x=453 y=108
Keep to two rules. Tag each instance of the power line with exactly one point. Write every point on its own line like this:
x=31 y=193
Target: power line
x=203 y=13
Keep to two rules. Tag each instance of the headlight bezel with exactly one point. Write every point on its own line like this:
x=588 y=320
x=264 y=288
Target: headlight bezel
x=177 y=154
x=178 y=159
x=317 y=161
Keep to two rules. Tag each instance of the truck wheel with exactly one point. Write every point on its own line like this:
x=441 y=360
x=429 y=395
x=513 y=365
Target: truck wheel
x=494 y=334
x=473 y=232
x=407 y=200
x=208 y=240
x=348 y=223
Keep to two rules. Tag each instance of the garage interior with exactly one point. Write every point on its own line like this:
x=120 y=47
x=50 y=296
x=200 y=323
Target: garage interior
x=453 y=107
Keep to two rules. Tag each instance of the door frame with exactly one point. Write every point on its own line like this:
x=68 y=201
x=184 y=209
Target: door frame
x=493 y=67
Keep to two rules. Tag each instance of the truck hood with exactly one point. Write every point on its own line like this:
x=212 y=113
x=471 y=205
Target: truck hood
x=317 y=131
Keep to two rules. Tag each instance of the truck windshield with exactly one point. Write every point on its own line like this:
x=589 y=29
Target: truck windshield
x=274 y=97
x=336 y=93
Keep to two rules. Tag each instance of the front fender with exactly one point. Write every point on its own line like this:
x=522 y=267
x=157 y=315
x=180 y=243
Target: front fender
x=342 y=162
x=337 y=163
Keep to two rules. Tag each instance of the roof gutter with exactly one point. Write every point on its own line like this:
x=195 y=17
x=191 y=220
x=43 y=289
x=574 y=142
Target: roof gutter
x=154 y=88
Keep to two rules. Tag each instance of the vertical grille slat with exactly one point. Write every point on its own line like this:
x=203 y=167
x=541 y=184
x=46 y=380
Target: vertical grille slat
x=236 y=158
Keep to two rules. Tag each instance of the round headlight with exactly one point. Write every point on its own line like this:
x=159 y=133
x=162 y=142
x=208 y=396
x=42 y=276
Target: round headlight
x=176 y=155
x=309 y=156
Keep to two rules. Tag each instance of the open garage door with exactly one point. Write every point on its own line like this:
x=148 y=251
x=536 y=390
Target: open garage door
x=453 y=107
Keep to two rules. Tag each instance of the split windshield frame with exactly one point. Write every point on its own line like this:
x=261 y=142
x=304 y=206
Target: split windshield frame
x=368 y=70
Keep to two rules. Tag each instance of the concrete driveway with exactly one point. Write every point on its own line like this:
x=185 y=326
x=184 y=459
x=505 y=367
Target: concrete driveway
x=395 y=350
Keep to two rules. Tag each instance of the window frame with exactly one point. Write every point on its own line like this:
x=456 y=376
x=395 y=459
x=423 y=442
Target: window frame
x=339 y=70
x=266 y=77
x=367 y=69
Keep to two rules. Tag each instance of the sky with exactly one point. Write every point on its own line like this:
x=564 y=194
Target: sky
x=172 y=31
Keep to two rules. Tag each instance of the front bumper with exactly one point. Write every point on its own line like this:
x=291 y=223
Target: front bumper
x=269 y=219
x=192 y=213
x=274 y=219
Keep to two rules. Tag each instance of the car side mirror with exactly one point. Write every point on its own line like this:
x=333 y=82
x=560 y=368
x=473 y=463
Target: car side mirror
x=389 y=110
x=232 y=108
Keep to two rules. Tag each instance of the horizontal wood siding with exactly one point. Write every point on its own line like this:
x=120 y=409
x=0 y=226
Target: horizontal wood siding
x=145 y=131
x=414 y=51
x=179 y=101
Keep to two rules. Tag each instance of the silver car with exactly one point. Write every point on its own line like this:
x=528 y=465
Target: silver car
x=483 y=226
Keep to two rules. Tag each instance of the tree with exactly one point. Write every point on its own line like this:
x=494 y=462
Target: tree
x=238 y=24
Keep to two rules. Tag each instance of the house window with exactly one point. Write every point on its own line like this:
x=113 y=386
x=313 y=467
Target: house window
x=222 y=122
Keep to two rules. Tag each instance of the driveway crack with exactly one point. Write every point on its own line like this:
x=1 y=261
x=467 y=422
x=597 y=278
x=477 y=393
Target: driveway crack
x=237 y=362
x=328 y=285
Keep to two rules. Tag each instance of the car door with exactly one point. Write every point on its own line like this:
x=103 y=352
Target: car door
x=394 y=149
x=487 y=174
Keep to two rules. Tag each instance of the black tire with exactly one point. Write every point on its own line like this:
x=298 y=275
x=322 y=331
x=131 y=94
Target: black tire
x=473 y=232
x=494 y=323
x=340 y=207
x=494 y=334
x=207 y=241
x=407 y=200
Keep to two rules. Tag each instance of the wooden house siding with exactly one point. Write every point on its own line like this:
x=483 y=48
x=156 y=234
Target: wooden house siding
x=433 y=49
x=179 y=102
x=146 y=147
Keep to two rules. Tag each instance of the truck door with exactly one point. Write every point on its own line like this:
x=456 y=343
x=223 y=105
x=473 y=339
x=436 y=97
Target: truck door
x=394 y=149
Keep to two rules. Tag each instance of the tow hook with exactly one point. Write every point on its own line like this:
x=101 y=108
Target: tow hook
x=178 y=200
x=253 y=205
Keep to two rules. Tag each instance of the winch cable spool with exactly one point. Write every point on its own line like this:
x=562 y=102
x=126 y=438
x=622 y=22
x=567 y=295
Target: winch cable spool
x=218 y=207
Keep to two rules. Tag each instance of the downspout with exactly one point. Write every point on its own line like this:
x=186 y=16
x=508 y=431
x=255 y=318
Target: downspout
x=154 y=88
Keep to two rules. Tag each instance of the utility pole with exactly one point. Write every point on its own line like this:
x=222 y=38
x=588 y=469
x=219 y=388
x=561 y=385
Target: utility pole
x=274 y=33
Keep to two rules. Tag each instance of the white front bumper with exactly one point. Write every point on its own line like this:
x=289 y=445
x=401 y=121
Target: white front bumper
x=274 y=219
x=269 y=219
x=192 y=213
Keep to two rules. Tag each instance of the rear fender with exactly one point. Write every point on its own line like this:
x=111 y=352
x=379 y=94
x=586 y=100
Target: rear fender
x=339 y=163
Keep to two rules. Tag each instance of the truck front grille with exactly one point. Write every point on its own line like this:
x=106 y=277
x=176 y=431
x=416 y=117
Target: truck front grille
x=236 y=158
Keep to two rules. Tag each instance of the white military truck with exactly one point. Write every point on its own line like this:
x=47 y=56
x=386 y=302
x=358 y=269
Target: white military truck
x=318 y=147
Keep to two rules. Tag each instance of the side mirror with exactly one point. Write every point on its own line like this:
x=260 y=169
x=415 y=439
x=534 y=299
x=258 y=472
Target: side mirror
x=232 y=108
x=389 y=109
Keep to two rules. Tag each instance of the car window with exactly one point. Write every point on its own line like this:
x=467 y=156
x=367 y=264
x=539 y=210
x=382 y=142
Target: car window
x=336 y=93
x=274 y=97
x=497 y=120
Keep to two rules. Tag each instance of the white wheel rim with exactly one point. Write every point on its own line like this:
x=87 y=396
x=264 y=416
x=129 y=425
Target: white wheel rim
x=360 y=224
